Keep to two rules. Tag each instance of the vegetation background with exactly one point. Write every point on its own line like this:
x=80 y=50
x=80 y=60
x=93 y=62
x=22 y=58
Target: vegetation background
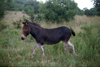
x=51 y=14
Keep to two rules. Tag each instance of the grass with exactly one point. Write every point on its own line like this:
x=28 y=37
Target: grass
x=15 y=52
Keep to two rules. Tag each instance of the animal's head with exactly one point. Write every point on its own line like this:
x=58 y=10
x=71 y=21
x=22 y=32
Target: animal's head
x=25 y=29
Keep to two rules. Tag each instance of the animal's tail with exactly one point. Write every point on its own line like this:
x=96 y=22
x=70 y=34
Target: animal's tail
x=72 y=31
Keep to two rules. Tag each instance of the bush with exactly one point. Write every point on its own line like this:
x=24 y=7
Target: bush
x=17 y=24
x=2 y=26
x=57 y=11
x=89 y=48
x=25 y=18
x=91 y=12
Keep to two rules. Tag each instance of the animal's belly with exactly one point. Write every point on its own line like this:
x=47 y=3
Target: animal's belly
x=50 y=42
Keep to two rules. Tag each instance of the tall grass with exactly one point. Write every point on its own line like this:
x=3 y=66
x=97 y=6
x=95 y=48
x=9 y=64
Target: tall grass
x=15 y=52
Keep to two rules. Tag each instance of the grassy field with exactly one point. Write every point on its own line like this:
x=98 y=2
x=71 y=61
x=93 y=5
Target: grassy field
x=15 y=52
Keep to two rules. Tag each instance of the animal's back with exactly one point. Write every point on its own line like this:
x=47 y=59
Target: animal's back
x=53 y=36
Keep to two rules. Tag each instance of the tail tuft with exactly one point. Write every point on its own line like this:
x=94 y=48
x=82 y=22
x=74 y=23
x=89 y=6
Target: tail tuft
x=72 y=31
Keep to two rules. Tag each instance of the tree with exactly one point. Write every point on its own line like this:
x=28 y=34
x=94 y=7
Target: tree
x=91 y=12
x=34 y=4
x=19 y=5
x=28 y=8
x=97 y=6
x=5 y=5
x=2 y=9
x=9 y=5
x=80 y=12
x=58 y=10
x=30 y=11
x=31 y=8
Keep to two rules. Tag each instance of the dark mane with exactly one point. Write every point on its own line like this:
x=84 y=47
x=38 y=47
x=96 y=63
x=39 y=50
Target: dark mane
x=35 y=24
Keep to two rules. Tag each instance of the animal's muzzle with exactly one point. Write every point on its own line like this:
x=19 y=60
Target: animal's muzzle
x=23 y=37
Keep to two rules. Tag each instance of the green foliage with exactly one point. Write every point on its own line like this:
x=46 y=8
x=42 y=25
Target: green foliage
x=33 y=3
x=17 y=24
x=97 y=6
x=89 y=47
x=9 y=5
x=39 y=17
x=28 y=9
x=98 y=13
x=19 y=5
x=5 y=5
x=31 y=7
x=80 y=12
x=24 y=18
x=57 y=11
x=2 y=9
x=91 y=12
x=2 y=26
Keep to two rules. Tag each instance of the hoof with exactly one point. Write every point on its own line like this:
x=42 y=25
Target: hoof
x=33 y=54
x=43 y=55
x=74 y=52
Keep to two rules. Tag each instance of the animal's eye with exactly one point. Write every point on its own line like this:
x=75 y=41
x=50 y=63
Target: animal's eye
x=25 y=29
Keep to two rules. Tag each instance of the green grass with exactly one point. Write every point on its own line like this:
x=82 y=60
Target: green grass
x=15 y=52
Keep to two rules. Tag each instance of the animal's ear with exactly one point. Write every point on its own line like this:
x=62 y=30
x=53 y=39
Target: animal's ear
x=21 y=21
x=27 y=22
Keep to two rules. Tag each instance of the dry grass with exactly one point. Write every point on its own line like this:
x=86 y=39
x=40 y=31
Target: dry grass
x=76 y=24
x=12 y=16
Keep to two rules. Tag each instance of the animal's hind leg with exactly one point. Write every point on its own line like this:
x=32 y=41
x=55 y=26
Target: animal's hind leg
x=70 y=44
x=42 y=50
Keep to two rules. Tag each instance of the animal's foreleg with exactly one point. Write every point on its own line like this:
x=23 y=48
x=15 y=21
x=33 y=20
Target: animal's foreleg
x=70 y=44
x=37 y=46
x=42 y=50
x=65 y=47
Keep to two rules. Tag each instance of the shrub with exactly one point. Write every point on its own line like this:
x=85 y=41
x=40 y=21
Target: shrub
x=57 y=11
x=2 y=26
x=24 y=18
x=17 y=24
x=91 y=12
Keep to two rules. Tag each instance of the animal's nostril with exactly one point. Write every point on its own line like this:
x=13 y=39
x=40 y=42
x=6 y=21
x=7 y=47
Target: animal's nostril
x=22 y=38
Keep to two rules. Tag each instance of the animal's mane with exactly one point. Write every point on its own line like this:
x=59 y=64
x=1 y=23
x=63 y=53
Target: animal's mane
x=35 y=24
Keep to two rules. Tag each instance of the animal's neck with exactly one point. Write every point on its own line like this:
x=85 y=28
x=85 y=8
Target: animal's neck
x=34 y=31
